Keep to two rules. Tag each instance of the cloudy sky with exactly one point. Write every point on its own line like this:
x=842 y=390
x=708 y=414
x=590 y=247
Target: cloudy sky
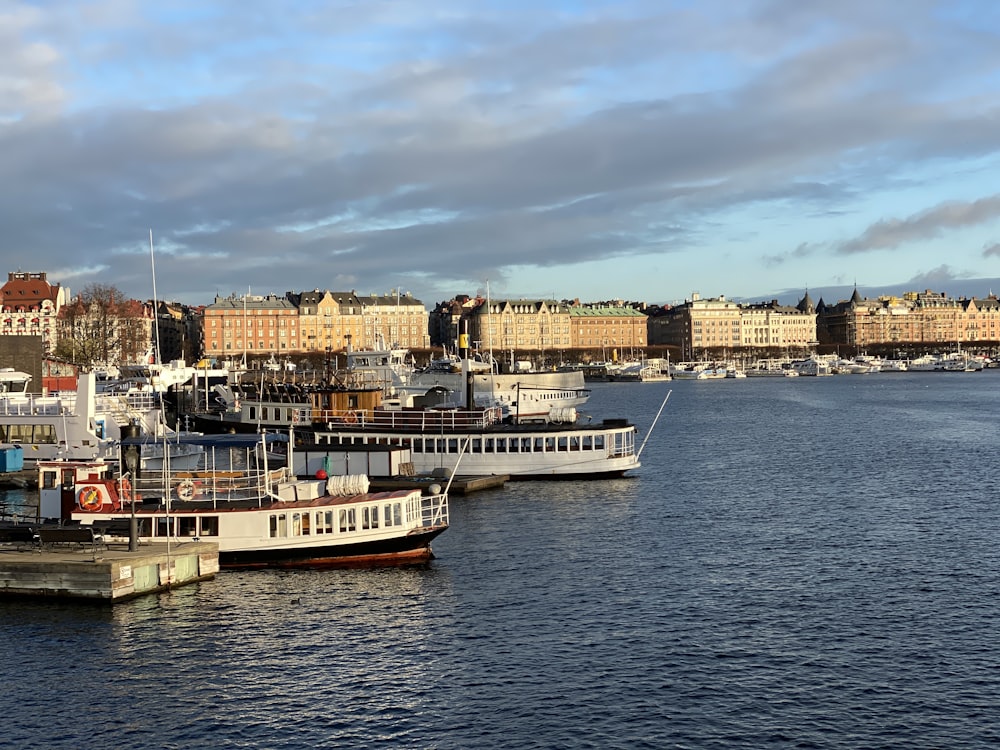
x=637 y=149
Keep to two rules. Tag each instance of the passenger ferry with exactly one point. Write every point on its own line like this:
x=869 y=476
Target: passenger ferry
x=488 y=443
x=258 y=517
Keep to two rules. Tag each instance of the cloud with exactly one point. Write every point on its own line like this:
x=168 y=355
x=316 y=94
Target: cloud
x=992 y=250
x=935 y=277
x=891 y=233
x=384 y=143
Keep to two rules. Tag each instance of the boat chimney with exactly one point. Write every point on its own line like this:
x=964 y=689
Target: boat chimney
x=463 y=355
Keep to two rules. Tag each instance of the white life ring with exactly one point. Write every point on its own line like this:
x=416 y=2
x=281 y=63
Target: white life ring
x=186 y=490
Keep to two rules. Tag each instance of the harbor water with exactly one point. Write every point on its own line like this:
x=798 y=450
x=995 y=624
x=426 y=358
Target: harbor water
x=799 y=563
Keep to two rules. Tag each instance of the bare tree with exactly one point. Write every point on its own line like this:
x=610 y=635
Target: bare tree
x=100 y=327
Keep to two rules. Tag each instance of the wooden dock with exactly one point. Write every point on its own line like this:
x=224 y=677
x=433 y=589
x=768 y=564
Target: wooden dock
x=96 y=573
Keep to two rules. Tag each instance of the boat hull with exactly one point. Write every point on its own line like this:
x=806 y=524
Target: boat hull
x=412 y=549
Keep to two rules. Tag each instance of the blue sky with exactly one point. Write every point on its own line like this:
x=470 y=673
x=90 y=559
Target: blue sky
x=636 y=149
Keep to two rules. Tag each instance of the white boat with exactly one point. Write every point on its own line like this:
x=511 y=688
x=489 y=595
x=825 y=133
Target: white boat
x=83 y=424
x=489 y=445
x=530 y=396
x=258 y=517
x=14 y=382
x=923 y=363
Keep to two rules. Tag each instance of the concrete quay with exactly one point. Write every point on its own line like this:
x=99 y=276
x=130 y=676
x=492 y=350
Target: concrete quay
x=98 y=574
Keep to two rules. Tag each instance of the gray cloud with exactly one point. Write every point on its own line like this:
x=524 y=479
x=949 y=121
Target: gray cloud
x=498 y=142
x=891 y=233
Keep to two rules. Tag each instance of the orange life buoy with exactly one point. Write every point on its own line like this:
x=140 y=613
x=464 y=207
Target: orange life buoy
x=89 y=498
x=351 y=417
x=125 y=489
x=186 y=490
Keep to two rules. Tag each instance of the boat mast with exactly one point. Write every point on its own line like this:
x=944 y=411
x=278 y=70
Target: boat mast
x=156 y=314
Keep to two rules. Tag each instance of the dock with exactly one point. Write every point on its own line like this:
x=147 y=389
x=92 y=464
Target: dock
x=99 y=574
x=460 y=485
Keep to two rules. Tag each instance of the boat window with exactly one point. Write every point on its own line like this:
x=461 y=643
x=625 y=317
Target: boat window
x=328 y=521
x=369 y=517
x=296 y=524
x=574 y=443
x=145 y=527
x=252 y=412
x=397 y=514
x=550 y=444
x=599 y=442
x=348 y=520
x=588 y=443
x=561 y=442
x=452 y=445
x=513 y=445
x=187 y=526
x=490 y=445
x=163 y=526
x=476 y=446
x=48 y=479
x=210 y=526
x=279 y=525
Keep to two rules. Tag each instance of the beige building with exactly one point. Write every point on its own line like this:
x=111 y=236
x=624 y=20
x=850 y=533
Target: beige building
x=523 y=325
x=716 y=324
x=923 y=318
x=394 y=320
x=310 y=322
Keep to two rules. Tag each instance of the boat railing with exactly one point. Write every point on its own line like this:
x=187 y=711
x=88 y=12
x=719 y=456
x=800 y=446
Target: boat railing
x=410 y=419
x=20 y=405
x=209 y=485
x=432 y=510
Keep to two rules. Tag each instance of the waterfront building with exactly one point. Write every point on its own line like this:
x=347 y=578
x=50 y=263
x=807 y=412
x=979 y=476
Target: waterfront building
x=531 y=327
x=249 y=325
x=30 y=305
x=317 y=321
x=919 y=318
x=717 y=325
x=614 y=329
x=397 y=319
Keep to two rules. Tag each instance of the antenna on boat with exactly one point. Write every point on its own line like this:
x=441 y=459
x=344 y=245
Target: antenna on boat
x=650 y=432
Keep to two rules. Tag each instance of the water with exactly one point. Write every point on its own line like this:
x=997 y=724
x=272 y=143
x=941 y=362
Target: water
x=799 y=563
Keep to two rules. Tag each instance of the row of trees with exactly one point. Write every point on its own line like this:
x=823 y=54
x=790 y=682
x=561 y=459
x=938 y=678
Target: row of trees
x=102 y=327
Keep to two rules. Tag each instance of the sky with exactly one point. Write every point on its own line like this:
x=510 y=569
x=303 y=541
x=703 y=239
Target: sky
x=630 y=149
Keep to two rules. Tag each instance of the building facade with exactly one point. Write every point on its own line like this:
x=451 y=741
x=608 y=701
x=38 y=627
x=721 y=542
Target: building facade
x=317 y=321
x=617 y=330
x=716 y=325
x=923 y=319
x=30 y=305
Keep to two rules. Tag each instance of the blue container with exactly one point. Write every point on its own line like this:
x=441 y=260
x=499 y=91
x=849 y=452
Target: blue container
x=11 y=459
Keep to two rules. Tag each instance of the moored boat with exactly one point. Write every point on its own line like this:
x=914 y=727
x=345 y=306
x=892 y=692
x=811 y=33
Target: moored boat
x=258 y=517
